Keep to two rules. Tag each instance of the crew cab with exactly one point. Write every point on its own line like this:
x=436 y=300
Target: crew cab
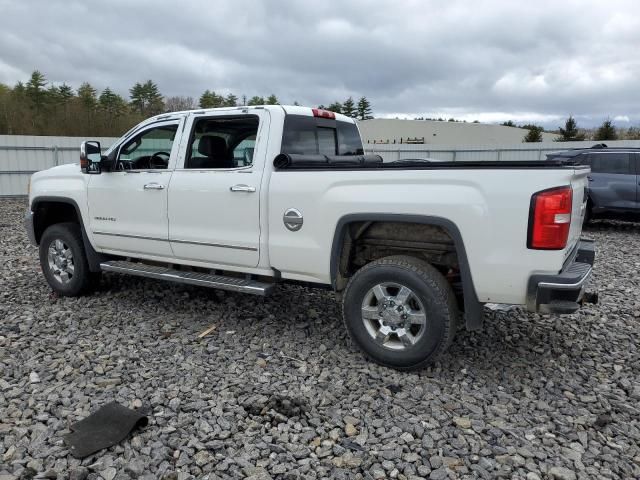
x=246 y=198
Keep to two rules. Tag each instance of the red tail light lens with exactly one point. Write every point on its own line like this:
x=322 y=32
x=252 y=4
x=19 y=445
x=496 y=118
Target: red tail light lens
x=550 y=219
x=318 y=112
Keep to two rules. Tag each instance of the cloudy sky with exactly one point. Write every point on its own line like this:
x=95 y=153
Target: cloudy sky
x=489 y=60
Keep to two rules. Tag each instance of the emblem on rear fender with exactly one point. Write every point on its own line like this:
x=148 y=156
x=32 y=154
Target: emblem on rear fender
x=293 y=219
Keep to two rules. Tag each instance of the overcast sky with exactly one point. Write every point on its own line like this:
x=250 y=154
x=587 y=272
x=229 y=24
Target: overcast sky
x=488 y=60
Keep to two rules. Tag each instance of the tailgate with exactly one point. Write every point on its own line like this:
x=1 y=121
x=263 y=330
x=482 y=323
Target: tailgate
x=580 y=186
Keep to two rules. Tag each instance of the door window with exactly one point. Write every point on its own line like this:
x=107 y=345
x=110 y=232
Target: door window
x=148 y=150
x=222 y=142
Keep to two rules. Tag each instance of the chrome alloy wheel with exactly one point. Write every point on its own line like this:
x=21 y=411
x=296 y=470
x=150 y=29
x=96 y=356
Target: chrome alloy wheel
x=394 y=316
x=60 y=259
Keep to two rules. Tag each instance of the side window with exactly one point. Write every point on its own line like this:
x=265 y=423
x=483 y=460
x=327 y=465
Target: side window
x=148 y=150
x=617 y=163
x=222 y=142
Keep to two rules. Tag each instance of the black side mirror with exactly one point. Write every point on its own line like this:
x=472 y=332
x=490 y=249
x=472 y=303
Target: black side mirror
x=90 y=157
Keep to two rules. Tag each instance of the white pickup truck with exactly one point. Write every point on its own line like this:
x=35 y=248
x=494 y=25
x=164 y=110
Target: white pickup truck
x=245 y=198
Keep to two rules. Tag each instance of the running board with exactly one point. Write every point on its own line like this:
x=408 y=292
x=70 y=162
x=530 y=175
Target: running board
x=191 y=278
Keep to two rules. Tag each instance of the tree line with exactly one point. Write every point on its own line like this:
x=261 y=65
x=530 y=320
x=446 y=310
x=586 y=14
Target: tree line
x=36 y=107
x=360 y=110
x=572 y=133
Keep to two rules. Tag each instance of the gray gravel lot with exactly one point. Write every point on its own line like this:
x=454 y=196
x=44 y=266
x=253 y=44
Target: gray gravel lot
x=277 y=391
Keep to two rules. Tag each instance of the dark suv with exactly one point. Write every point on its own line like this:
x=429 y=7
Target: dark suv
x=614 y=178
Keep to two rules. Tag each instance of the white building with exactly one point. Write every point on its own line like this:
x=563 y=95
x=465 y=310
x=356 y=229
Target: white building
x=389 y=130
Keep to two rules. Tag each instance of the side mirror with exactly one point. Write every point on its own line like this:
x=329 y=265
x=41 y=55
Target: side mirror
x=90 y=157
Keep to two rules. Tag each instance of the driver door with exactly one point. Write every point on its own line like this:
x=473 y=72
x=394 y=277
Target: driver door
x=128 y=206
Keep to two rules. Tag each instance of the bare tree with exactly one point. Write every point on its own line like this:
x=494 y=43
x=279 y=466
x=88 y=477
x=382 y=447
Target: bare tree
x=178 y=103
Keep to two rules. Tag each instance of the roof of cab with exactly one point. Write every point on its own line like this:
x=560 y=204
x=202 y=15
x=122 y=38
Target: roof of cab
x=288 y=109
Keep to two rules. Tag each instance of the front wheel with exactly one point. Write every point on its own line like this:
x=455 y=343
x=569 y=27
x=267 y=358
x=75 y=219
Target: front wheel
x=63 y=260
x=400 y=311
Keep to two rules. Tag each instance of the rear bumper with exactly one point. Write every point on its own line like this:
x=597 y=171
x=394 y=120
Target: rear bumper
x=28 y=225
x=563 y=292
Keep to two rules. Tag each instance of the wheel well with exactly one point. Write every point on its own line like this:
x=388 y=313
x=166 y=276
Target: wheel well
x=48 y=213
x=361 y=238
x=366 y=241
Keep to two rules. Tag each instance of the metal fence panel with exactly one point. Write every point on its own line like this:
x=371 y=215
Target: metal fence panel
x=21 y=155
x=456 y=153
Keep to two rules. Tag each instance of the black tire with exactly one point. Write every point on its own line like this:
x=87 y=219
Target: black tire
x=81 y=280
x=427 y=285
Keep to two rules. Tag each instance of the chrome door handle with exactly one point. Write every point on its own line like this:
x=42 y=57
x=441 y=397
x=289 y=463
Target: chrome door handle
x=242 y=188
x=153 y=186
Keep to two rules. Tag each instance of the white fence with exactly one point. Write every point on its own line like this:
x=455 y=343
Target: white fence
x=22 y=155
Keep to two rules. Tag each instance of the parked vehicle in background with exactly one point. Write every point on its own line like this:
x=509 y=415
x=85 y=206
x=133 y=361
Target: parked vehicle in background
x=614 y=181
x=245 y=198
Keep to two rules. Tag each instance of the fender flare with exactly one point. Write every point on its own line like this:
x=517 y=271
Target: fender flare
x=93 y=258
x=474 y=309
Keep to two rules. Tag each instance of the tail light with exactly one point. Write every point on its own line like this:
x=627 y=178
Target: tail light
x=318 y=112
x=550 y=219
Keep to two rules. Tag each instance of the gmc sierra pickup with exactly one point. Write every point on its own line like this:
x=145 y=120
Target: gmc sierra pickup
x=245 y=198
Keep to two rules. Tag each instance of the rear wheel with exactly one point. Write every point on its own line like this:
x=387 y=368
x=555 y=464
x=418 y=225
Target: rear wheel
x=401 y=311
x=63 y=260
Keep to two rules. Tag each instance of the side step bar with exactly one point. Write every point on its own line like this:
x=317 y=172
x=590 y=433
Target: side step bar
x=191 y=278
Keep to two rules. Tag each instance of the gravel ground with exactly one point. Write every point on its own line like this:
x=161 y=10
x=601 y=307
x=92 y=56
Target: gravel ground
x=277 y=390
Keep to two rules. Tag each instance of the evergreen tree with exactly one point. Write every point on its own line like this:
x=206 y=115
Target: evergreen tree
x=335 y=107
x=256 y=101
x=272 y=100
x=112 y=103
x=606 y=131
x=508 y=123
x=231 y=100
x=35 y=90
x=364 y=109
x=87 y=95
x=348 y=108
x=534 y=134
x=210 y=99
x=146 y=98
x=570 y=132
x=65 y=92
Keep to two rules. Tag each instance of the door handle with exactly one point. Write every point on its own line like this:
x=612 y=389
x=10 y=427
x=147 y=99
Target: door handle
x=243 y=188
x=153 y=186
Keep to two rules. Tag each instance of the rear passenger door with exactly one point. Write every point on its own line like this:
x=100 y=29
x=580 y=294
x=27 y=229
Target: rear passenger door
x=214 y=195
x=613 y=181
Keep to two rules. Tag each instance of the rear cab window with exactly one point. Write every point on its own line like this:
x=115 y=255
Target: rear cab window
x=305 y=135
